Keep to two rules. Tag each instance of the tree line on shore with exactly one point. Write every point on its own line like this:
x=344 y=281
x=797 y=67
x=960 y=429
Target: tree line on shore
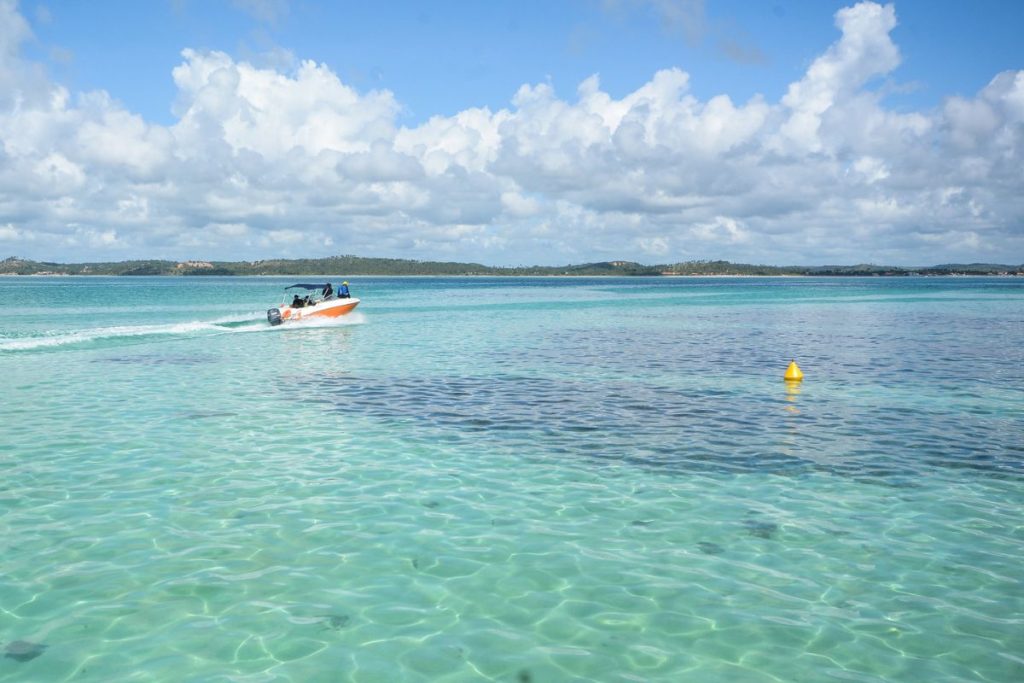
x=356 y=265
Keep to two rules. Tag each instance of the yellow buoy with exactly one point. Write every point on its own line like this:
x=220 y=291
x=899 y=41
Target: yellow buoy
x=793 y=372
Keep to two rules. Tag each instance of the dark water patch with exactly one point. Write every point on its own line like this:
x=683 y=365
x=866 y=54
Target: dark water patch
x=718 y=428
x=335 y=622
x=709 y=548
x=760 y=528
x=24 y=650
x=423 y=563
x=563 y=418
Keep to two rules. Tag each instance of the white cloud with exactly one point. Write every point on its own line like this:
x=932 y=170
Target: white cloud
x=864 y=51
x=230 y=229
x=283 y=158
x=520 y=206
x=58 y=174
x=654 y=246
x=97 y=239
x=470 y=139
x=871 y=169
x=271 y=113
x=110 y=138
x=284 y=236
x=9 y=233
x=721 y=230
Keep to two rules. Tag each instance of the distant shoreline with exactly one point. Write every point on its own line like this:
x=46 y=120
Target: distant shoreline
x=677 y=276
x=356 y=266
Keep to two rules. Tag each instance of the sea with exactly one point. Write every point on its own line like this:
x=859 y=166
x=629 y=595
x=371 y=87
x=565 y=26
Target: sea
x=529 y=480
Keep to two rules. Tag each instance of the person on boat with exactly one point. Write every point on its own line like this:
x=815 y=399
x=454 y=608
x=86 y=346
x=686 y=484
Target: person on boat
x=328 y=292
x=297 y=302
x=343 y=291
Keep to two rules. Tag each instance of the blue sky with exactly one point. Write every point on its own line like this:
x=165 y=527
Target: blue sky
x=776 y=132
x=443 y=57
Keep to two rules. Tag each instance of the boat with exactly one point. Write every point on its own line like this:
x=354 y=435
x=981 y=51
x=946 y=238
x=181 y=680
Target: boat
x=307 y=301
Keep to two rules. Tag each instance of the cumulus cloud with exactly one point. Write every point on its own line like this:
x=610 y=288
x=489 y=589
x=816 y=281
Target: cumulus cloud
x=9 y=233
x=865 y=50
x=285 y=159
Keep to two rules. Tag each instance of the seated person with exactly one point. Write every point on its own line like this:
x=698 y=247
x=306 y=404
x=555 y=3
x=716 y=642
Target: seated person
x=343 y=291
x=328 y=292
x=297 y=302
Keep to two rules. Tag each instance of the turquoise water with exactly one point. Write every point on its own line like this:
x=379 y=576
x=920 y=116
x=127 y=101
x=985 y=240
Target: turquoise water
x=513 y=480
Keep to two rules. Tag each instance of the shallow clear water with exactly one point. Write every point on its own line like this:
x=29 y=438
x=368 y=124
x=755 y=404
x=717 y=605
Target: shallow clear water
x=513 y=479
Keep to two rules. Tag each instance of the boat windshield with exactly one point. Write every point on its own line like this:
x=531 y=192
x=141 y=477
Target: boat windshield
x=298 y=296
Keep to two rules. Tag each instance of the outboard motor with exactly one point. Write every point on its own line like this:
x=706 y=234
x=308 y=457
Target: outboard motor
x=274 y=316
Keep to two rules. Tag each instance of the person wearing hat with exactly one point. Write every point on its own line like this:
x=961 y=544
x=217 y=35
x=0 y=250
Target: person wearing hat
x=343 y=291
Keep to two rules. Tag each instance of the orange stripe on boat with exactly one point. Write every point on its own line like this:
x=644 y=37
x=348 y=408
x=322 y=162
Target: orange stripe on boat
x=336 y=311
